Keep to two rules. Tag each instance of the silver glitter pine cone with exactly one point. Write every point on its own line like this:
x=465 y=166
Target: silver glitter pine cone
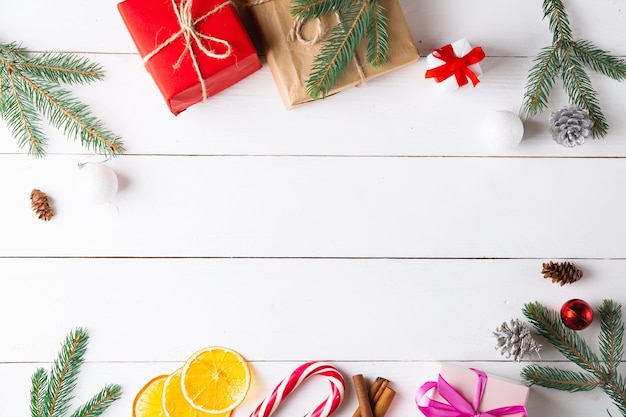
x=515 y=340
x=570 y=126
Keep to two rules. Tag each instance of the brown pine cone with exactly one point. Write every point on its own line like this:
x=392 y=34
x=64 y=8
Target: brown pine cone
x=562 y=272
x=41 y=205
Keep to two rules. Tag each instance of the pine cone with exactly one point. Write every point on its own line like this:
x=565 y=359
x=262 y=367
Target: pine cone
x=562 y=272
x=41 y=205
x=515 y=340
x=570 y=126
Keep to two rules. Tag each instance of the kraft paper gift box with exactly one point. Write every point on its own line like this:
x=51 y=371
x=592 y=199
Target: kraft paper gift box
x=153 y=25
x=507 y=397
x=290 y=60
x=460 y=49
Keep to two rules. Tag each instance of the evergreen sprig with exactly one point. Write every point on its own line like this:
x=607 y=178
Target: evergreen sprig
x=567 y=59
x=52 y=392
x=359 y=20
x=596 y=373
x=30 y=89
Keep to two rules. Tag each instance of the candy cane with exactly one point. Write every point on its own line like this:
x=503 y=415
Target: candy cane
x=291 y=382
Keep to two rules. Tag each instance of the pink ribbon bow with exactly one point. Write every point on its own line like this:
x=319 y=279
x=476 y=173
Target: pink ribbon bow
x=457 y=405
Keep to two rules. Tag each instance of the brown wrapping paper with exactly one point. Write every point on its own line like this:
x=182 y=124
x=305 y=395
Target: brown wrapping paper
x=290 y=60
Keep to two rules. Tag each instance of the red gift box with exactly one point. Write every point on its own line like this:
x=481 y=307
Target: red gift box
x=187 y=44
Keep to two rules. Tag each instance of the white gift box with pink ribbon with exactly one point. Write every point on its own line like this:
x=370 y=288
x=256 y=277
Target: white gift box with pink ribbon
x=471 y=392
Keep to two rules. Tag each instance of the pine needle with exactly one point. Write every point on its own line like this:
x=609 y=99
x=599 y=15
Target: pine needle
x=61 y=68
x=37 y=392
x=359 y=20
x=99 y=402
x=567 y=58
x=597 y=374
x=338 y=51
x=378 y=44
x=599 y=60
x=580 y=90
x=30 y=88
x=64 y=374
x=563 y=380
x=541 y=80
x=311 y=9
x=51 y=394
x=611 y=335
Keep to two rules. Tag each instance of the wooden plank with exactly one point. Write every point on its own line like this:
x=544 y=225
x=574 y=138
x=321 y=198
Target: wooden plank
x=283 y=309
x=399 y=114
x=323 y=207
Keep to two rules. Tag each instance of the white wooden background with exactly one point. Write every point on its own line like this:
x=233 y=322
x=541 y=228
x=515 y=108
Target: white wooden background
x=374 y=229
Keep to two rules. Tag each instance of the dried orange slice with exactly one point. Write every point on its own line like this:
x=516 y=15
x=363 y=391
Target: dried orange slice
x=174 y=402
x=149 y=400
x=215 y=380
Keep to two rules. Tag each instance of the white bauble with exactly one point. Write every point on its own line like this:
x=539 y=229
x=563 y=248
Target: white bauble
x=502 y=129
x=97 y=183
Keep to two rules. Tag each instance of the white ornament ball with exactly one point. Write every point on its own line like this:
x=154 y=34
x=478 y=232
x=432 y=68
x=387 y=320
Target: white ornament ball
x=97 y=183
x=502 y=129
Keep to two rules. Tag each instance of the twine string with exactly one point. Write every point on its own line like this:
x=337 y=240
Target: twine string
x=192 y=36
x=296 y=32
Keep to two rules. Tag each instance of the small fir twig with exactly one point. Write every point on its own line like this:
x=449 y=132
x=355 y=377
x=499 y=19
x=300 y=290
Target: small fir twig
x=567 y=59
x=359 y=20
x=30 y=89
x=51 y=392
x=598 y=372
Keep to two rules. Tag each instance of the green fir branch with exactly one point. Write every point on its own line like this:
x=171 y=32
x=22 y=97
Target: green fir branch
x=38 y=392
x=64 y=373
x=567 y=59
x=378 y=43
x=99 y=402
x=599 y=60
x=30 y=88
x=62 y=68
x=558 y=20
x=603 y=375
x=541 y=80
x=21 y=116
x=611 y=336
x=578 y=86
x=51 y=394
x=616 y=390
x=338 y=50
x=563 y=380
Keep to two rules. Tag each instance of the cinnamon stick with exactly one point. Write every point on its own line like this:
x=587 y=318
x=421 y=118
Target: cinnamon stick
x=365 y=409
x=383 y=403
x=376 y=390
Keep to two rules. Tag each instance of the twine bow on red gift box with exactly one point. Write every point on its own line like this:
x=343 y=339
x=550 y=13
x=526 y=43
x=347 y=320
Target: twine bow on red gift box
x=192 y=37
x=454 y=65
x=457 y=405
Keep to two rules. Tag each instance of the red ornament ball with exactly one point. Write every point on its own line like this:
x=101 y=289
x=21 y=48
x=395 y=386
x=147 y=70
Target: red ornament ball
x=576 y=314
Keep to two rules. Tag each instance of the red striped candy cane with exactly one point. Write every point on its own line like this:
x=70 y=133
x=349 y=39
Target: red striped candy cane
x=299 y=375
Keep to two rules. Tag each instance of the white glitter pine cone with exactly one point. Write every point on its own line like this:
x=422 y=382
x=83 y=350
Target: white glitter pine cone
x=515 y=340
x=570 y=126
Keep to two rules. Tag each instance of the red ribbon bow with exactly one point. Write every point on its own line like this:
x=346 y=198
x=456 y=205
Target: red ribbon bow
x=457 y=405
x=453 y=65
